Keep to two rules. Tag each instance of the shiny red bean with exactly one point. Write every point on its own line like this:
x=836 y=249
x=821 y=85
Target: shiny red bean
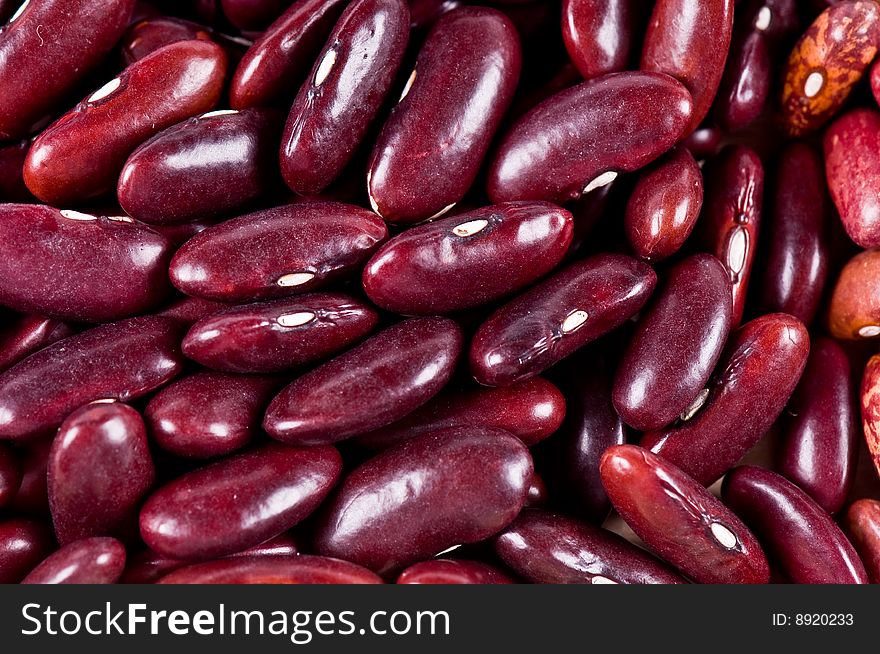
x=10 y=475
x=745 y=86
x=854 y=313
x=145 y=37
x=452 y=571
x=704 y=142
x=24 y=335
x=870 y=396
x=253 y=14
x=23 y=544
x=189 y=310
x=863 y=526
x=600 y=34
x=424 y=13
x=12 y=186
x=301 y=569
x=778 y=20
x=87 y=561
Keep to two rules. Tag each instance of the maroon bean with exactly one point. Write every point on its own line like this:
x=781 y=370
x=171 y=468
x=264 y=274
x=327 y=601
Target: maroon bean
x=253 y=14
x=755 y=377
x=46 y=50
x=378 y=382
x=664 y=206
x=777 y=19
x=273 y=570
x=121 y=361
x=10 y=475
x=676 y=345
x=278 y=335
x=12 y=186
x=690 y=41
x=599 y=34
x=87 y=561
x=680 y=520
x=182 y=232
x=583 y=137
x=33 y=493
x=819 y=447
x=538 y=494
x=462 y=485
x=277 y=252
x=704 y=142
x=146 y=36
x=472 y=60
x=348 y=84
x=239 y=502
x=23 y=544
x=558 y=316
x=468 y=259
x=745 y=86
x=77 y=266
x=452 y=571
x=424 y=13
x=189 y=310
x=863 y=526
x=802 y=538
x=24 y=335
x=79 y=157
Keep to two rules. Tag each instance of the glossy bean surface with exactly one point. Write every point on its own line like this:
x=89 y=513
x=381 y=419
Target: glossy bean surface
x=10 y=475
x=863 y=527
x=452 y=571
x=145 y=37
x=23 y=335
x=302 y=569
x=87 y=561
x=855 y=303
x=745 y=86
x=23 y=544
x=600 y=34
x=870 y=401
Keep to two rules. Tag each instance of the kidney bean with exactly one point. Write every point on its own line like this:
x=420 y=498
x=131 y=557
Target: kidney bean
x=852 y=166
x=424 y=13
x=46 y=50
x=863 y=526
x=281 y=334
x=79 y=157
x=378 y=382
x=538 y=494
x=680 y=520
x=300 y=569
x=553 y=319
x=871 y=408
x=472 y=60
x=452 y=571
x=463 y=485
x=349 y=82
x=146 y=36
x=664 y=206
x=819 y=446
x=87 y=561
x=755 y=377
x=32 y=497
x=599 y=34
x=745 y=85
x=855 y=304
x=704 y=142
x=239 y=502
x=277 y=252
x=675 y=346
x=827 y=62
x=583 y=137
x=24 y=335
x=10 y=475
x=802 y=538
x=121 y=361
x=690 y=41
x=468 y=259
x=189 y=310
x=23 y=544
x=12 y=186
x=778 y=20
x=76 y=266
x=253 y=14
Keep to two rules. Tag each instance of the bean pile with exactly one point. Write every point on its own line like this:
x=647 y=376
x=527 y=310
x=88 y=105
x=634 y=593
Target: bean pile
x=370 y=291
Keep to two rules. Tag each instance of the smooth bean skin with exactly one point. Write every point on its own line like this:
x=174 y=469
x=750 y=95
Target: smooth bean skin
x=23 y=544
x=120 y=361
x=10 y=475
x=599 y=34
x=675 y=346
x=472 y=60
x=690 y=41
x=827 y=62
x=585 y=135
x=819 y=445
x=854 y=313
x=745 y=85
x=24 y=335
x=777 y=19
x=301 y=569
x=204 y=167
x=239 y=502
x=862 y=524
x=469 y=259
x=754 y=379
x=452 y=571
x=732 y=217
x=870 y=397
x=209 y=414
x=802 y=538
x=280 y=334
x=99 y=471
x=253 y=14
x=146 y=36
x=463 y=485
x=424 y=13
x=189 y=310
x=663 y=208
x=796 y=266
x=12 y=186
x=74 y=266
x=87 y=561
x=852 y=167
x=339 y=102
x=372 y=385
x=704 y=142
x=549 y=548
x=47 y=50
x=681 y=521
x=79 y=157
x=556 y=317
x=277 y=252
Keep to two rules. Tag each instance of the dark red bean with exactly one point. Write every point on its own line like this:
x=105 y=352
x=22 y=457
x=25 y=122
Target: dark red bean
x=10 y=475
x=49 y=47
x=33 y=494
x=345 y=91
x=553 y=319
x=145 y=37
x=600 y=34
x=376 y=383
x=300 y=569
x=549 y=548
x=538 y=494
x=664 y=206
x=121 y=361
x=12 y=186
x=76 y=266
x=704 y=142
x=870 y=397
x=277 y=252
x=469 y=259
x=802 y=538
x=239 y=502
x=863 y=526
x=189 y=310
x=690 y=41
x=755 y=377
x=180 y=233
x=676 y=345
x=462 y=485
x=253 y=14
x=854 y=313
x=79 y=157
x=680 y=520
x=452 y=571
x=24 y=335
x=87 y=561
x=745 y=86
x=23 y=544
x=424 y=13
x=778 y=20
x=471 y=60
x=819 y=446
